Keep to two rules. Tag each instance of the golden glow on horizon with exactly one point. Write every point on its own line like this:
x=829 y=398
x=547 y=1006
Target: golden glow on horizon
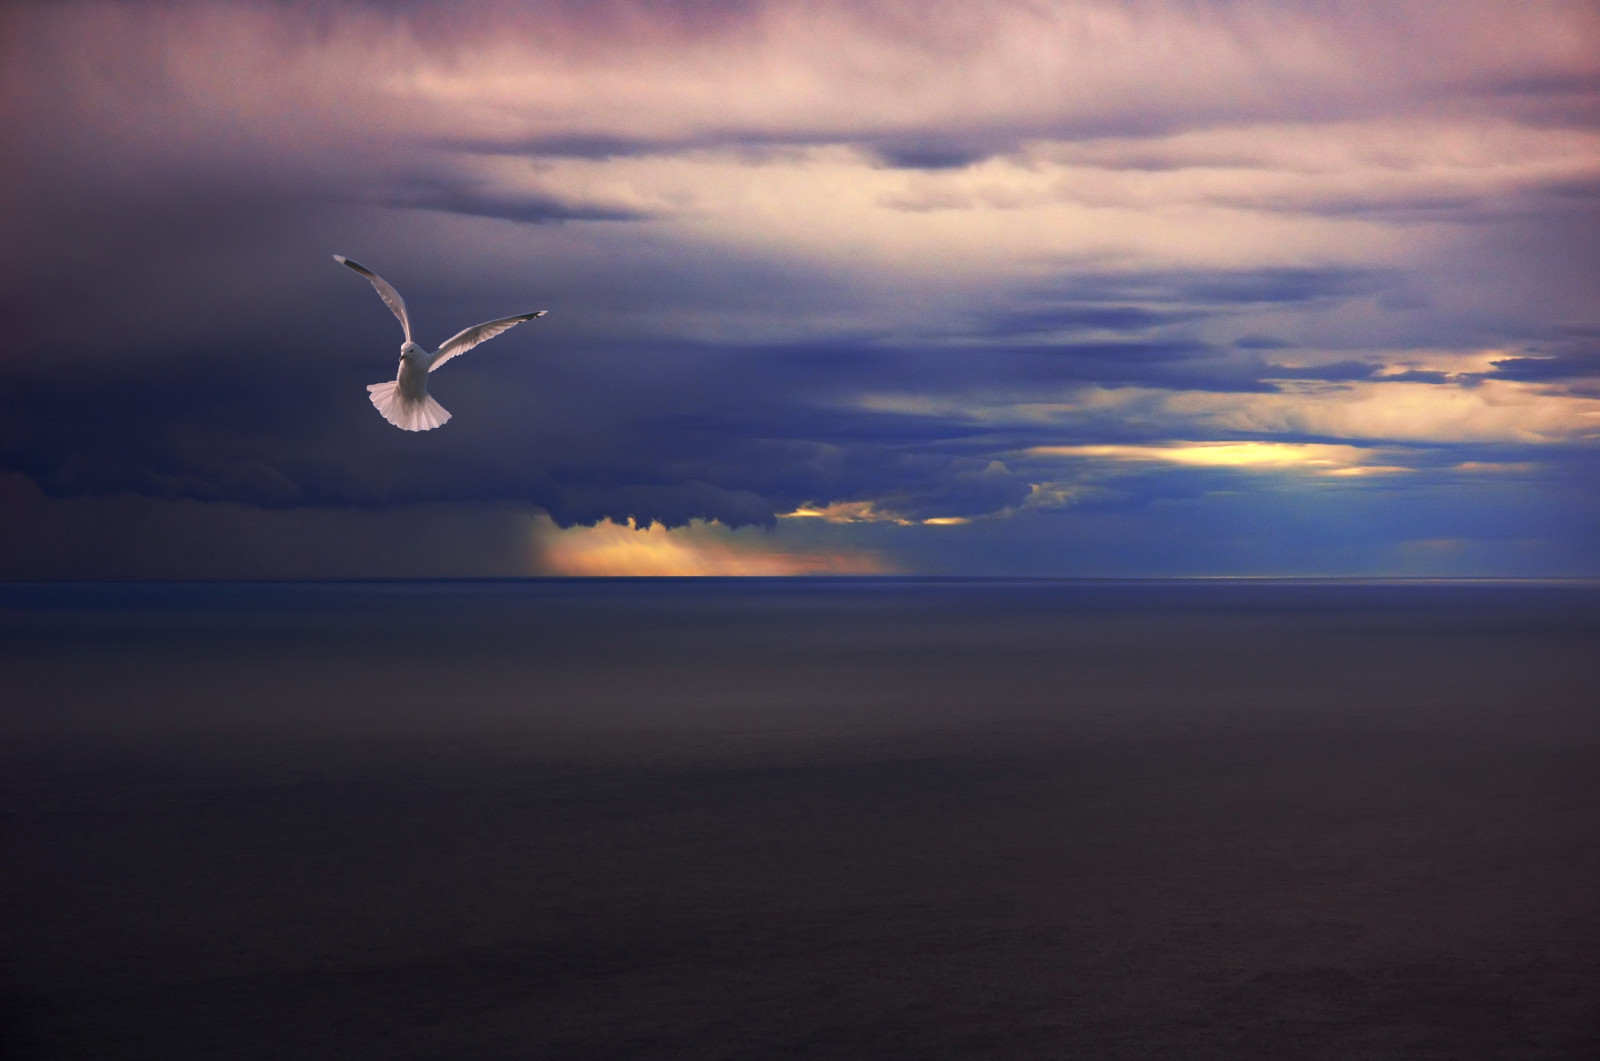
x=1317 y=458
x=699 y=549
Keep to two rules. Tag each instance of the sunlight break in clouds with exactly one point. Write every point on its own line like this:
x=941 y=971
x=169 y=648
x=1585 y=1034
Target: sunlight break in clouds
x=1420 y=412
x=1317 y=459
x=866 y=512
x=699 y=549
x=1475 y=411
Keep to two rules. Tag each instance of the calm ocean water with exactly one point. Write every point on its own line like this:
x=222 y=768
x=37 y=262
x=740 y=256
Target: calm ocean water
x=774 y=818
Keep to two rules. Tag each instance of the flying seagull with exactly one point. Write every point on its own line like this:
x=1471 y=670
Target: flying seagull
x=405 y=402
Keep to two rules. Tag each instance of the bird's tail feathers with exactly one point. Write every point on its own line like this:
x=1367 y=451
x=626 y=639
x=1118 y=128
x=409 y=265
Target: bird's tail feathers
x=424 y=415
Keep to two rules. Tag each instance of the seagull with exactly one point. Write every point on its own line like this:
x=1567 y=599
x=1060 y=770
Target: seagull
x=405 y=402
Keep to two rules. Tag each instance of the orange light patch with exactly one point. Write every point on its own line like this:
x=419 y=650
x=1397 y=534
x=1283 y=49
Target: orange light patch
x=867 y=512
x=1498 y=467
x=700 y=549
x=1316 y=458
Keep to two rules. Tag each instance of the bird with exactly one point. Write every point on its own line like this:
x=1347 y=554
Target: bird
x=405 y=401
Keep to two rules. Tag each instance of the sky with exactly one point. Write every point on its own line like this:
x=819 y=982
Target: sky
x=1132 y=289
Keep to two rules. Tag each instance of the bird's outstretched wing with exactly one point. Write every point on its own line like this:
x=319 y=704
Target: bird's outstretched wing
x=466 y=339
x=386 y=291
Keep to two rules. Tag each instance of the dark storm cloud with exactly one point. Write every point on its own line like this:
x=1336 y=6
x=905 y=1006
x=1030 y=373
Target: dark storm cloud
x=1156 y=313
x=1555 y=97
x=196 y=433
x=671 y=504
x=1582 y=190
x=646 y=428
x=1281 y=285
x=965 y=492
x=1129 y=353
x=935 y=151
x=732 y=349
x=1261 y=342
x=1549 y=83
x=1177 y=366
x=1417 y=375
x=595 y=147
x=1171 y=295
x=206 y=428
x=1564 y=355
x=1567 y=352
x=1349 y=371
x=1338 y=371
x=737 y=434
x=1138 y=302
x=1085 y=317
x=930 y=149
x=1581 y=364
x=1546 y=195
x=1414 y=209
x=527 y=208
x=941 y=367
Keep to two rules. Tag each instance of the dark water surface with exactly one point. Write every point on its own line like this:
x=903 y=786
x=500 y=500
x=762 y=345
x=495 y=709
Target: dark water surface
x=830 y=819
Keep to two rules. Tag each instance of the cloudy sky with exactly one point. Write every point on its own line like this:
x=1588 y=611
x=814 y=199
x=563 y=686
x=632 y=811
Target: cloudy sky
x=1078 y=289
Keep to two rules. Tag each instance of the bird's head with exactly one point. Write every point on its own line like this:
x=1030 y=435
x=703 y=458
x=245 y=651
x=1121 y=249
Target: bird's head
x=412 y=352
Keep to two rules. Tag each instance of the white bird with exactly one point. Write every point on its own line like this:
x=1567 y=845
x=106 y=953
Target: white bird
x=405 y=402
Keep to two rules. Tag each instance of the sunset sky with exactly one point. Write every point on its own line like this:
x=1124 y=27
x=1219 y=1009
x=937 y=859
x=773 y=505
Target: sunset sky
x=1054 y=289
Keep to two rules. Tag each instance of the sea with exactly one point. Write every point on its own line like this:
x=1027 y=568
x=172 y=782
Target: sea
x=800 y=818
